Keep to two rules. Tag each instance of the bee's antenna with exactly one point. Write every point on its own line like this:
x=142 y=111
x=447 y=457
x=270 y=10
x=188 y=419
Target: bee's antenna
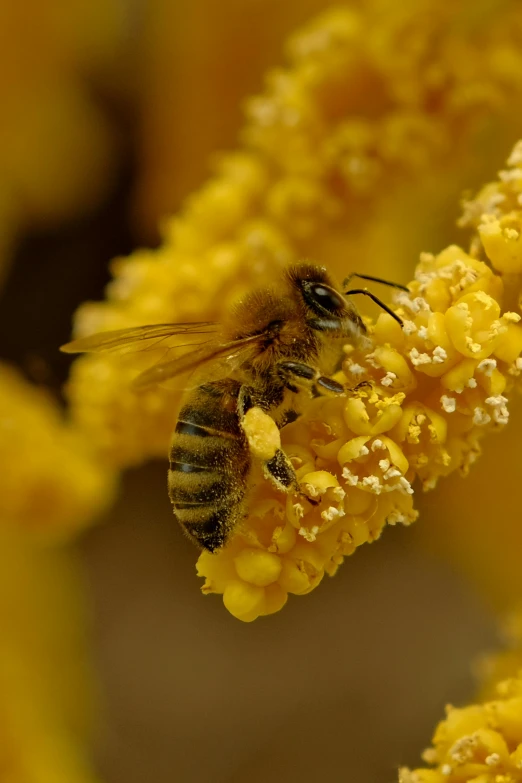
x=375 y=299
x=374 y=280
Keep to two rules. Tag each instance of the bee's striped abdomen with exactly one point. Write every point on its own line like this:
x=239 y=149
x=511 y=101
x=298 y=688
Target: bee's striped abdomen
x=209 y=463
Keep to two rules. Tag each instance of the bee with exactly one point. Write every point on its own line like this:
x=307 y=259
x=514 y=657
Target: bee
x=268 y=351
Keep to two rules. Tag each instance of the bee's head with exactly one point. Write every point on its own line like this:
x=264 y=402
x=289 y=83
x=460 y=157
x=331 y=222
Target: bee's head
x=327 y=310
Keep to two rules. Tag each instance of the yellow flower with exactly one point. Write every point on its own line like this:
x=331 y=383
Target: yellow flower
x=425 y=396
x=463 y=529
x=433 y=388
x=360 y=454
x=406 y=84
x=480 y=743
x=50 y=481
x=372 y=98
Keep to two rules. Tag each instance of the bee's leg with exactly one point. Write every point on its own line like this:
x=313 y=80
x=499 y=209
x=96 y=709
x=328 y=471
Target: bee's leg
x=328 y=384
x=294 y=373
x=262 y=434
x=280 y=471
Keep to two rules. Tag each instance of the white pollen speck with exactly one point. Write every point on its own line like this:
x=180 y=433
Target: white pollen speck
x=298 y=510
x=391 y=473
x=419 y=358
x=497 y=401
x=404 y=300
x=409 y=327
x=473 y=346
x=356 y=369
x=332 y=513
x=384 y=465
x=446 y=769
x=439 y=355
x=371 y=360
x=351 y=479
x=373 y=483
x=338 y=493
x=480 y=417
x=487 y=366
x=364 y=451
x=405 y=486
x=472 y=383
x=501 y=415
x=449 y=404
x=309 y=534
x=312 y=491
x=492 y=760
x=377 y=445
x=388 y=379
x=423 y=332
x=396 y=517
x=419 y=303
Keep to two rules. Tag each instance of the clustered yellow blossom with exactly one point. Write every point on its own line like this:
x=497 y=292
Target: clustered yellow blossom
x=425 y=394
x=371 y=97
x=375 y=89
x=419 y=402
x=495 y=214
x=51 y=482
x=481 y=743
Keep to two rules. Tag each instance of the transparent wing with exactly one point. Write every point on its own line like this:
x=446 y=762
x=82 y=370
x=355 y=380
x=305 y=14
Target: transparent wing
x=139 y=338
x=225 y=358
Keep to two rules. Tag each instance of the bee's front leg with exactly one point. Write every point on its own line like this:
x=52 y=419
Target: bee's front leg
x=296 y=374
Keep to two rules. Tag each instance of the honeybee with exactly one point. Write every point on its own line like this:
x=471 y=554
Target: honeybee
x=268 y=351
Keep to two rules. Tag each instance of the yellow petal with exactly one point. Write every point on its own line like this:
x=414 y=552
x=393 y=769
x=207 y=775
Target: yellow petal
x=257 y=567
x=244 y=601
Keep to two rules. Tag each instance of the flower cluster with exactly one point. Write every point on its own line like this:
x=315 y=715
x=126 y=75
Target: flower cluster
x=371 y=97
x=419 y=401
x=423 y=396
x=50 y=482
x=495 y=214
x=375 y=90
x=376 y=93
x=482 y=742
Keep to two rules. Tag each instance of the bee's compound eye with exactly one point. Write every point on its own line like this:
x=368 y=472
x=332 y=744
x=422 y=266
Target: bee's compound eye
x=327 y=298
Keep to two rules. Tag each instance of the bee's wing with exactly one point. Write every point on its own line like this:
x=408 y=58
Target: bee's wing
x=225 y=358
x=138 y=338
